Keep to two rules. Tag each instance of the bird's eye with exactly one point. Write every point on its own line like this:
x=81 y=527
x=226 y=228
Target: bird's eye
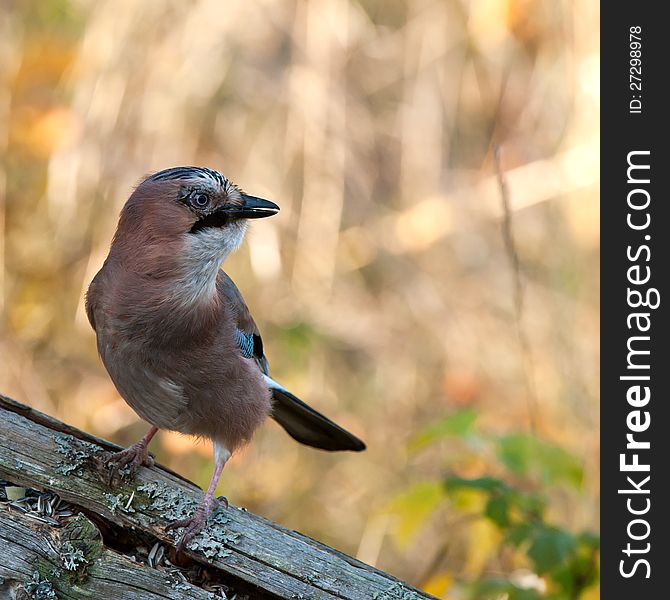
x=200 y=200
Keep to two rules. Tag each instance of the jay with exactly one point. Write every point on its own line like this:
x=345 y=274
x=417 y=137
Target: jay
x=175 y=334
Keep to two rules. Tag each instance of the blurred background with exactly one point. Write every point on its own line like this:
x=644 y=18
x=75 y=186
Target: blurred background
x=438 y=301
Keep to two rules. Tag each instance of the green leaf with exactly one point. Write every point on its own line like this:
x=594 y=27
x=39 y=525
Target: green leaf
x=524 y=594
x=581 y=570
x=589 y=539
x=532 y=505
x=483 y=484
x=550 y=548
x=525 y=455
x=516 y=593
x=560 y=465
x=457 y=424
x=516 y=452
x=517 y=534
x=497 y=509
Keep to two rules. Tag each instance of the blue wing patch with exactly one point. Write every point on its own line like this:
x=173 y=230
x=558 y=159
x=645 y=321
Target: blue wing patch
x=245 y=342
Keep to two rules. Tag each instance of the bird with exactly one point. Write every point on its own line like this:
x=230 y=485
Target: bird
x=176 y=336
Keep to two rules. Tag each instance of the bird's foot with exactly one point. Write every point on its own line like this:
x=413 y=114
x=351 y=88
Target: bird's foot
x=114 y=466
x=195 y=524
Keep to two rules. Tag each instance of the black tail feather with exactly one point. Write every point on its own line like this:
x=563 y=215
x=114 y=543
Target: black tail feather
x=310 y=427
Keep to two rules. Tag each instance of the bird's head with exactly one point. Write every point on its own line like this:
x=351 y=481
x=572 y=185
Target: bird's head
x=196 y=211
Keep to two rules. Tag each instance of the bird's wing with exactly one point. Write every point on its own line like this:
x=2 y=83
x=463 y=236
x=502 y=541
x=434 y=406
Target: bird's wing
x=248 y=337
x=300 y=420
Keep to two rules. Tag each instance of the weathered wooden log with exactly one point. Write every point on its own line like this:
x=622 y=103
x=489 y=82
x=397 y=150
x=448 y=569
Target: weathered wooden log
x=76 y=538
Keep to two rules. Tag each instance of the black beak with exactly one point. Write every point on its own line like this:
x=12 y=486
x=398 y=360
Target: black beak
x=253 y=208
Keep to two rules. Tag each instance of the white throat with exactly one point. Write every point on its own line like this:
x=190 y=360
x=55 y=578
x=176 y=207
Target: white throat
x=203 y=254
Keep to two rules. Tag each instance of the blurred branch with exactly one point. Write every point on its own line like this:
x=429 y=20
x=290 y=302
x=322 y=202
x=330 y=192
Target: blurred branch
x=533 y=183
x=243 y=550
x=513 y=255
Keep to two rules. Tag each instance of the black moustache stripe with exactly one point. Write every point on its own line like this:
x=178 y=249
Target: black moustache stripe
x=215 y=219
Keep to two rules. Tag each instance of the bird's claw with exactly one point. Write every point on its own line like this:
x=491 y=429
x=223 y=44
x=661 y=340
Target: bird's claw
x=192 y=525
x=195 y=524
x=111 y=465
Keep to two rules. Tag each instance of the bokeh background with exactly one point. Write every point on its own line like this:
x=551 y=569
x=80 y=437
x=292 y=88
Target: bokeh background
x=438 y=302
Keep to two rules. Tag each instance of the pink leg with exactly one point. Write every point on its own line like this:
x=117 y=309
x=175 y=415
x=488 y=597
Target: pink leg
x=148 y=436
x=134 y=456
x=198 y=521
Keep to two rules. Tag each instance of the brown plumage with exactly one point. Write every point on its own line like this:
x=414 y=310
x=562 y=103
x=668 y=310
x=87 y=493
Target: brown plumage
x=174 y=332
